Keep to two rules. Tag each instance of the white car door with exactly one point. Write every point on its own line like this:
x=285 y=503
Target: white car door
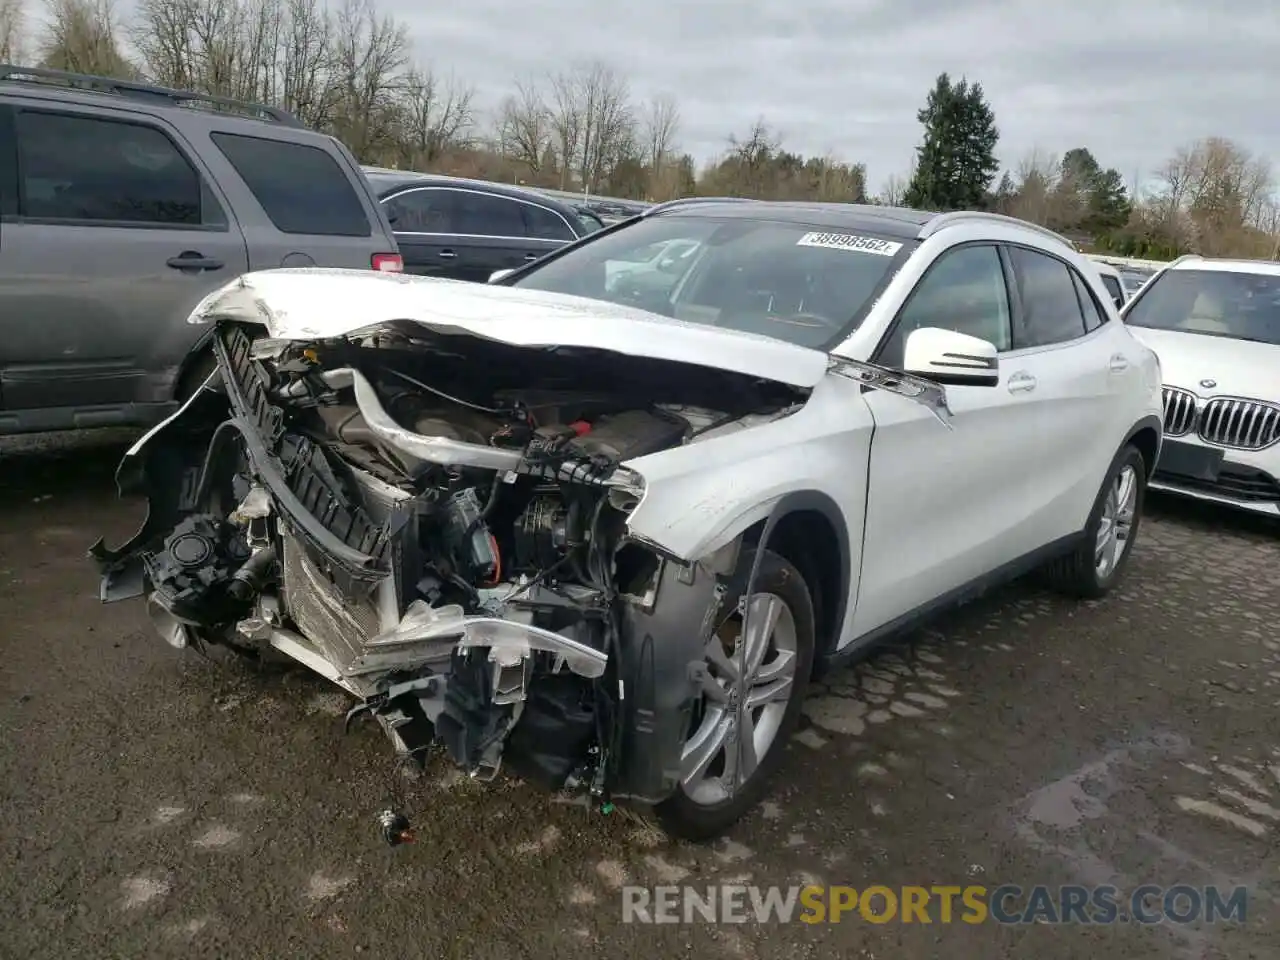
x=1073 y=369
x=945 y=507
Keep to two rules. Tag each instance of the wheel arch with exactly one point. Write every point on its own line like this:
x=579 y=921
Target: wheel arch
x=1147 y=435
x=196 y=357
x=809 y=529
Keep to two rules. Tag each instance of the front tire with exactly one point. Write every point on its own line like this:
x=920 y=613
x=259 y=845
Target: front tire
x=1094 y=568
x=731 y=754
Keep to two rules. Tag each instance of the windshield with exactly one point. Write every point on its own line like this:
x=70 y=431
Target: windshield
x=803 y=283
x=1218 y=303
x=1113 y=287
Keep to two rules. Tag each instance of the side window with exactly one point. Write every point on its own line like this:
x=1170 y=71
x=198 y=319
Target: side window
x=1050 y=308
x=965 y=291
x=300 y=187
x=81 y=168
x=545 y=224
x=487 y=215
x=1114 y=288
x=1088 y=305
x=421 y=211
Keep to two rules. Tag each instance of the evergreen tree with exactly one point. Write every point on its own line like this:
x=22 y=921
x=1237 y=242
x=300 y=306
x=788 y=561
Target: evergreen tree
x=956 y=161
x=1109 y=205
x=1089 y=198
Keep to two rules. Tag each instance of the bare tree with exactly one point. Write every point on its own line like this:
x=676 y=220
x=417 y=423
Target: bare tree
x=894 y=191
x=751 y=159
x=608 y=130
x=592 y=121
x=223 y=47
x=306 y=80
x=12 y=22
x=525 y=126
x=370 y=52
x=83 y=36
x=1216 y=198
x=1176 y=176
x=1228 y=180
x=661 y=122
x=565 y=113
x=1035 y=180
x=161 y=34
x=216 y=30
x=436 y=115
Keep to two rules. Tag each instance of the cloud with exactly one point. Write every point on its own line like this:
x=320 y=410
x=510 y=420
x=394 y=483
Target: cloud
x=1131 y=80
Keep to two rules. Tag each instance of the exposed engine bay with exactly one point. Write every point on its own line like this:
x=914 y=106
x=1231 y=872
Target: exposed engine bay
x=439 y=525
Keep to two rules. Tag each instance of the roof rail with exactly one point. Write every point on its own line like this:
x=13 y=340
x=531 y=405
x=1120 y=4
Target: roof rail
x=1183 y=259
x=146 y=91
x=1129 y=263
x=690 y=201
x=944 y=220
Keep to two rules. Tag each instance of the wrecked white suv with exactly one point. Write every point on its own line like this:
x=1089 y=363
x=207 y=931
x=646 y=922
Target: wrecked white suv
x=605 y=545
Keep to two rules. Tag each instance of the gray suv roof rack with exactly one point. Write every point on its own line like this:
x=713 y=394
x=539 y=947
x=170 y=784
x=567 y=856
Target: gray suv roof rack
x=146 y=91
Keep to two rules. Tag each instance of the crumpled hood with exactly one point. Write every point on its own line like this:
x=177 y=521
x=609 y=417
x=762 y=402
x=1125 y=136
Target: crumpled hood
x=1241 y=368
x=320 y=303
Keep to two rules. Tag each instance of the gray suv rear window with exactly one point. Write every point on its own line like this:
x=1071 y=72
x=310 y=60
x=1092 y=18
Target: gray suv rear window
x=300 y=187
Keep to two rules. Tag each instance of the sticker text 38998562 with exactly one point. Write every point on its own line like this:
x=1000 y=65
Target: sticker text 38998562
x=847 y=241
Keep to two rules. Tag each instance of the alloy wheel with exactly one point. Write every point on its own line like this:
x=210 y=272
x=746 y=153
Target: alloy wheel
x=1119 y=509
x=748 y=681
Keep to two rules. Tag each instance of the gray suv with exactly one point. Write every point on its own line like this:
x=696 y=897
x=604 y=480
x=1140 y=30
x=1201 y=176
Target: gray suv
x=121 y=206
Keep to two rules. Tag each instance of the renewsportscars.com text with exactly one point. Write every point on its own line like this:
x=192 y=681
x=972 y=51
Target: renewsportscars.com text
x=970 y=904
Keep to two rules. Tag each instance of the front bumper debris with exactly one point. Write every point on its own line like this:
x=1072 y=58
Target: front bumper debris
x=249 y=543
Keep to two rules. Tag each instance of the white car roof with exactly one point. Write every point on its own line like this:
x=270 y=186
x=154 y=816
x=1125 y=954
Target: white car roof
x=1104 y=268
x=1269 y=268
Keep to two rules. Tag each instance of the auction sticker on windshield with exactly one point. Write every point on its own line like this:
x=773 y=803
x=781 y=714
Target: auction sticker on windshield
x=847 y=241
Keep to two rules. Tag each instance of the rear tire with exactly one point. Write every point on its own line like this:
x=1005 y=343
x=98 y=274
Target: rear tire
x=780 y=598
x=1094 y=568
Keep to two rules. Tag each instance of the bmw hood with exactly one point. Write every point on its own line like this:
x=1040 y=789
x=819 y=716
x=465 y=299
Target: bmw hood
x=323 y=303
x=1237 y=368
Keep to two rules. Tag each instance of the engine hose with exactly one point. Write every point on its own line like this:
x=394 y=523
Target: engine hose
x=206 y=469
x=575 y=541
x=248 y=581
x=597 y=564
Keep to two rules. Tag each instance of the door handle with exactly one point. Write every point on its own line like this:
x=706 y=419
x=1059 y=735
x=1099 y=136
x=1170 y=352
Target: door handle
x=193 y=260
x=1119 y=363
x=448 y=255
x=1021 y=382
x=530 y=257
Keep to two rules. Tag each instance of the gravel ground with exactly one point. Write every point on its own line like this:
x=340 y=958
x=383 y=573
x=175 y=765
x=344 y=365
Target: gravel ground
x=156 y=804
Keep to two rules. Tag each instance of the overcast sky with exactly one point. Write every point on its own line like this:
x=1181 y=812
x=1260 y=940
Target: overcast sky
x=1130 y=79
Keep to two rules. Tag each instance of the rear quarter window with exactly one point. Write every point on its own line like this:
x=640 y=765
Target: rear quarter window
x=301 y=187
x=544 y=224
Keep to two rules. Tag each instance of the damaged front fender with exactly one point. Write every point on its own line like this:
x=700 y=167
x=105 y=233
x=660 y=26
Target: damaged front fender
x=701 y=496
x=164 y=466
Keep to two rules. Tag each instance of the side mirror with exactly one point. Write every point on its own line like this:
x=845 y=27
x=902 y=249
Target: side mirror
x=951 y=358
x=501 y=274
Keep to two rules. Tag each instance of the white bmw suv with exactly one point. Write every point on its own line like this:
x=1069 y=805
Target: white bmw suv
x=1215 y=325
